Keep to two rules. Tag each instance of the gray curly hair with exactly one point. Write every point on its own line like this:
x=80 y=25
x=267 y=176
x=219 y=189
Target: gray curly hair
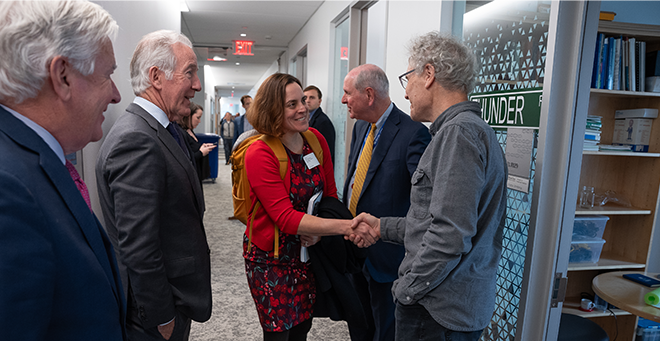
x=154 y=49
x=32 y=33
x=455 y=64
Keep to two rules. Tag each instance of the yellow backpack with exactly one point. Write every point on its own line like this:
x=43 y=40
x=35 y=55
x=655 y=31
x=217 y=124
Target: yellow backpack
x=241 y=187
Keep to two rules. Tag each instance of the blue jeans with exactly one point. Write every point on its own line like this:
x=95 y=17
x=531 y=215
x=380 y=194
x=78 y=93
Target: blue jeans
x=413 y=322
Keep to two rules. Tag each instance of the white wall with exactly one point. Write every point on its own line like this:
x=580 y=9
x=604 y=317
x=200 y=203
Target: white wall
x=407 y=19
x=231 y=104
x=135 y=19
x=377 y=34
x=271 y=70
x=639 y=12
x=204 y=98
x=316 y=35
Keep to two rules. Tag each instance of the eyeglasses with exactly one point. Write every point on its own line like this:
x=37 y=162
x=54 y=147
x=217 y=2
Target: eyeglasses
x=404 y=78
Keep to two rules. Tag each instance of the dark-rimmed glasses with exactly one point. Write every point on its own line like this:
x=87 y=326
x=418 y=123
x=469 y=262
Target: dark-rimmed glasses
x=404 y=78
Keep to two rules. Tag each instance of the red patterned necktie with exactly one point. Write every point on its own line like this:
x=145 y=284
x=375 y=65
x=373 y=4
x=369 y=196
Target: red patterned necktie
x=79 y=183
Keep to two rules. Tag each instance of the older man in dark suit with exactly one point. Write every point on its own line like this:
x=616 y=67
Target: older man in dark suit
x=385 y=148
x=152 y=200
x=318 y=119
x=59 y=277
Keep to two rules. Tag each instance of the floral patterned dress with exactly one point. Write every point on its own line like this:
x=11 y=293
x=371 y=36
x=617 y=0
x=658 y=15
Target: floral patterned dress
x=284 y=289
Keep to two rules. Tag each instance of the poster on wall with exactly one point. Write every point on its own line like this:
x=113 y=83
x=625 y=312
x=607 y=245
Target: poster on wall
x=519 y=143
x=519 y=112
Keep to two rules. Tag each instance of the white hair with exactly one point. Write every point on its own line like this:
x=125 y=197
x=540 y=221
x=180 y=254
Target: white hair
x=32 y=33
x=372 y=76
x=154 y=49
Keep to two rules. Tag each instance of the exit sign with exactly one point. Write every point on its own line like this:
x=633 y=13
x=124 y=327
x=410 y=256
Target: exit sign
x=243 y=48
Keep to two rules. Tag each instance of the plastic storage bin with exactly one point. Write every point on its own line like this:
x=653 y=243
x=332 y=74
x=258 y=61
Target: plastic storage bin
x=647 y=330
x=213 y=154
x=589 y=227
x=586 y=251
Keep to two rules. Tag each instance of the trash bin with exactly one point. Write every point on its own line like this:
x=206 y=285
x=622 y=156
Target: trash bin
x=213 y=155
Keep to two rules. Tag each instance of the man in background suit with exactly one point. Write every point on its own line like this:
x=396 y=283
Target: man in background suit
x=318 y=119
x=227 y=132
x=241 y=123
x=398 y=143
x=59 y=277
x=151 y=198
x=246 y=100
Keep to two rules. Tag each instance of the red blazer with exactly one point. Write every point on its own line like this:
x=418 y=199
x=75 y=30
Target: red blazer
x=266 y=185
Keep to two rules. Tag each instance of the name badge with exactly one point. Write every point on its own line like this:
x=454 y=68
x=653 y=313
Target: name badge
x=311 y=161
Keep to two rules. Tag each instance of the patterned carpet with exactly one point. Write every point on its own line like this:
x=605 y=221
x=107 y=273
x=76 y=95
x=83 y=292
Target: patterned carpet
x=234 y=314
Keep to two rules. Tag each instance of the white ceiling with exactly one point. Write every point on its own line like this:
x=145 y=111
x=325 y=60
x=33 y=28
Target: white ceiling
x=212 y=26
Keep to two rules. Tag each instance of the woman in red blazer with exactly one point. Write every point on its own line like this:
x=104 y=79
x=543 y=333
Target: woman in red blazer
x=283 y=287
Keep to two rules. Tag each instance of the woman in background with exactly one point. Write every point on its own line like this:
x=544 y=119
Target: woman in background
x=283 y=288
x=200 y=150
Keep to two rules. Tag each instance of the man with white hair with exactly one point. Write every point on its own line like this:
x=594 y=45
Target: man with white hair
x=151 y=197
x=385 y=148
x=59 y=277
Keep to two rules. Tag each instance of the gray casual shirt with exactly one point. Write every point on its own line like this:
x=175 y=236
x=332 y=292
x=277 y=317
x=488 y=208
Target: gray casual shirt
x=453 y=230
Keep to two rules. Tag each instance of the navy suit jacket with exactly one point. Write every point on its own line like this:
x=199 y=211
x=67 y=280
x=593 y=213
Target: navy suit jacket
x=57 y=267
x=238 y=126
x=386 y=189
x=321 y=122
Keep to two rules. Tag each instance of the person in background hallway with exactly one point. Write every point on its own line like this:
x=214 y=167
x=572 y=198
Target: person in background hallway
x=58 y=271
x=151 y=196
x=284 y=288
x=240 y=122
x=200 y=150
x=318 y=119
x=453 y=230
x=238 y=126
x=245 y=102
x=382 y=188
x=227 y=132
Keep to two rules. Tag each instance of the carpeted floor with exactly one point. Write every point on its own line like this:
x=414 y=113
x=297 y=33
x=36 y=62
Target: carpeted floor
x=234 y=314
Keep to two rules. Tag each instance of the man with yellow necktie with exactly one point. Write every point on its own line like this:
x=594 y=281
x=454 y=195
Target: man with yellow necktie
x=385 y=148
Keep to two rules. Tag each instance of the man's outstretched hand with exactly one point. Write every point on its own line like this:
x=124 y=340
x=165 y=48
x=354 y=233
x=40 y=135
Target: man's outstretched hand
x=366 y=230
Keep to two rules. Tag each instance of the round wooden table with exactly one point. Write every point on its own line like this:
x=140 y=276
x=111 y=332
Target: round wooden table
x=625 y=294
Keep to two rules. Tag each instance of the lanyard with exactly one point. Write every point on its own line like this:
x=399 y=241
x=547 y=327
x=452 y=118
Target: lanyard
x=380 y=130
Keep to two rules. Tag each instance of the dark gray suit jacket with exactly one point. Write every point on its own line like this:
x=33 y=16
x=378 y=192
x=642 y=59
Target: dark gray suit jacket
x=321 y=122
x=386 y=189
x=153 y=207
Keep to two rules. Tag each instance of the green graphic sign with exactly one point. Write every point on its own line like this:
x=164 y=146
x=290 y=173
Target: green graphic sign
x=515 y=108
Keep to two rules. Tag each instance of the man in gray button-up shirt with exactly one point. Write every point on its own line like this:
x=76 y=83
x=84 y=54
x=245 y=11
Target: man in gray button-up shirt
x=453 y=231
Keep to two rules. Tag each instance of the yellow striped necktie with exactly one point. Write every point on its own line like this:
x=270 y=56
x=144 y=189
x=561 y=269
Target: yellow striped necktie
x=362 y=167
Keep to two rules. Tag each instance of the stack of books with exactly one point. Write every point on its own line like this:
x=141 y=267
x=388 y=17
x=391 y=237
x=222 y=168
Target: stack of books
x=614 y=148
x=592 y=134
x=619 y=64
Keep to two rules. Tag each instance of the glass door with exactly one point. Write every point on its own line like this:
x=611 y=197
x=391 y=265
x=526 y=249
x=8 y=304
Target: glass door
x=529 y=52
x=336 y=110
